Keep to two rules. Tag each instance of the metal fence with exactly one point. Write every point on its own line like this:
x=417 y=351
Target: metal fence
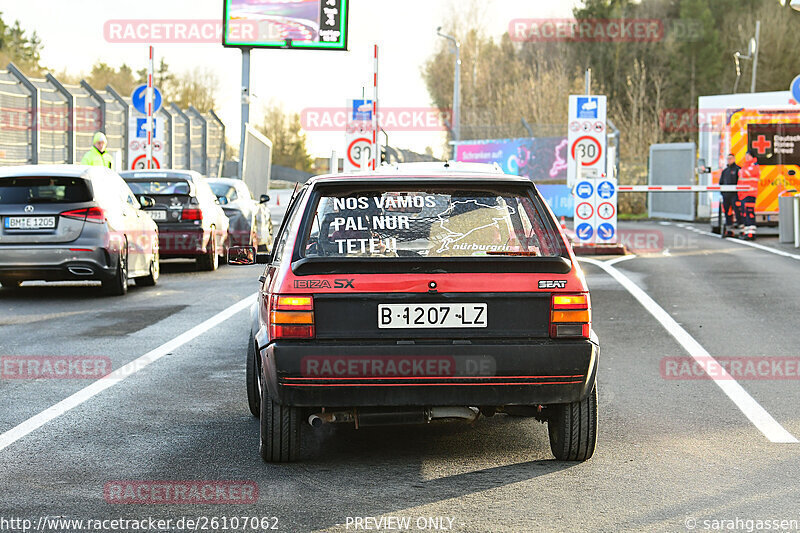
x=43 y=121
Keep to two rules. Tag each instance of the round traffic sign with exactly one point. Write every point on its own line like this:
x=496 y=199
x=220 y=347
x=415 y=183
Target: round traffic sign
x=584 y=231
x=584 y=190
x=355 y=149
x=599 y=126
x=574 y=125
x=606 y=231
x=139 y=99
x=606 y=190
x=590 y=147
x=140 y=163
x=584 y=210
x=606 y=210
x=795 y=88
x=586 y=126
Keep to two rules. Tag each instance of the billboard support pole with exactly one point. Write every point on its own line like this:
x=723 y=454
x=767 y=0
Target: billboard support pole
x=245 y=105
x=375 y=147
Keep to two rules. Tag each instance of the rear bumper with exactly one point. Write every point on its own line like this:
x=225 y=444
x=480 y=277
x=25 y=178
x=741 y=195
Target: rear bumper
x=318 y=374
x=182 y=243
x=55 y=263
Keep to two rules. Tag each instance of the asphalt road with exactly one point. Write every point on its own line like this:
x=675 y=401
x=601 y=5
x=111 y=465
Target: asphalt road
x=673 y=454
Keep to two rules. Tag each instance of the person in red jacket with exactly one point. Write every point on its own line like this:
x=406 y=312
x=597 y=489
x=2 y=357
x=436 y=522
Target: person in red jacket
x=749 y=176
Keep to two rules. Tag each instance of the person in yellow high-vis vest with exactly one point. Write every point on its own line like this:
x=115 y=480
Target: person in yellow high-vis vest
x=97 y=155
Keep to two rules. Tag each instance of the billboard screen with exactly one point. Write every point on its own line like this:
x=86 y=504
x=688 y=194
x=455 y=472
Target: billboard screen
x=539 y=159
x=298 y=24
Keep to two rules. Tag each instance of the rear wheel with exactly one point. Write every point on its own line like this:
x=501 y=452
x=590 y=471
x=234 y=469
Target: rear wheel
x=253 y=376
x=152 y=278
x=210 y=260
x=280 y=430
x=573 y=428
x=118 y=285
x=10 y=283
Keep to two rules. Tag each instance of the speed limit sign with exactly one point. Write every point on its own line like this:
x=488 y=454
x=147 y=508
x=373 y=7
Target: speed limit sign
x=358 y=148
x=587 y=154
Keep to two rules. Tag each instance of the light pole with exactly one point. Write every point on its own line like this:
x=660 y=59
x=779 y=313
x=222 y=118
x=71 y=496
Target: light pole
x=456 y=88
x=754 y=47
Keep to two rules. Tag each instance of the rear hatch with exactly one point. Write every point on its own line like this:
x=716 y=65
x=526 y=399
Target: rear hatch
x=438 y=262
x=172 y=196
x=43 y=209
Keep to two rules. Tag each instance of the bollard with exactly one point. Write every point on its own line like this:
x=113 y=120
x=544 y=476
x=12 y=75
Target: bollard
x=797 y=220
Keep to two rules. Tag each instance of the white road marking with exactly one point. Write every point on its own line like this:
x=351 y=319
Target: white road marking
x=743 y=243
x=746 y=403
x=35 y=422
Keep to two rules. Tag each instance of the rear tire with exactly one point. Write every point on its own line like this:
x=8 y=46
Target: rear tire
x=118 y=285
x=573 y=428
x=253 y=375
x=279 y=441
x=151 y=279
x=209 y=261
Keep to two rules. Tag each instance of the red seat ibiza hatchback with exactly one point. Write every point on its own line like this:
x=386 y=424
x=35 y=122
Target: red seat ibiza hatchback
x=399 y=297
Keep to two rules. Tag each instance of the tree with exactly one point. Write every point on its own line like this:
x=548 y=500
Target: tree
x=121 y=79
x=288 y=140
x=18 y=47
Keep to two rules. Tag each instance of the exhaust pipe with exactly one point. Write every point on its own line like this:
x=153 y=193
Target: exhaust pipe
x=374 y=417
x=81 y=271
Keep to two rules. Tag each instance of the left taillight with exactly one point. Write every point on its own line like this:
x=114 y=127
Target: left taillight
x=89 y=214
x=291 y=317
x=570 y=316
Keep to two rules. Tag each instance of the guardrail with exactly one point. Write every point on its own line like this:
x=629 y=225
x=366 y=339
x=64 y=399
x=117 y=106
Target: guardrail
x=44 y=121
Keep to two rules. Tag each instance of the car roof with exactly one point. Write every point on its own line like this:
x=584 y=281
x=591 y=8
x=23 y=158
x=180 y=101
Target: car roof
x=377 y=177
x=160 y=173
x=50 y=170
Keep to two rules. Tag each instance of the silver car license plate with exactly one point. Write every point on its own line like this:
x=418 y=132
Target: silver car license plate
x=30 y=223
x=397 y=316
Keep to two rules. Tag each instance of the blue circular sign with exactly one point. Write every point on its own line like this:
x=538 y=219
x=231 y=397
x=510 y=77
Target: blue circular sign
x=606 y=190
x=796 y=89
x=139 y=96
x=605 y=231
x=584 y=231
x=584 y=190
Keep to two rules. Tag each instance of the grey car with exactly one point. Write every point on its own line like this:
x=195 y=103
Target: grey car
x=74 y=223
x=251 y=222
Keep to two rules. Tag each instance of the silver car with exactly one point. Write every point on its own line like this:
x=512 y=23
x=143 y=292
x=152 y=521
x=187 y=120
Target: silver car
x=74 y=222
x=251 y=222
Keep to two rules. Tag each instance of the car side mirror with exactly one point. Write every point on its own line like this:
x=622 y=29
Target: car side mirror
x=147 y=201
x=246 y=255
x=242 y=255
x=263 y=199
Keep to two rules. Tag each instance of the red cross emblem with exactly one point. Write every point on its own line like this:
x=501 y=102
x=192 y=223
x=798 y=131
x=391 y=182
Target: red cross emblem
x=762 y=144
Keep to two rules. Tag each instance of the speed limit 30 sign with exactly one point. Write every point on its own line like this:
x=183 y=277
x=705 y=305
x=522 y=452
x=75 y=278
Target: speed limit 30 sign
x=358 y=147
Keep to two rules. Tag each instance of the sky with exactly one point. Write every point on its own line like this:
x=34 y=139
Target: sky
x=73 y=39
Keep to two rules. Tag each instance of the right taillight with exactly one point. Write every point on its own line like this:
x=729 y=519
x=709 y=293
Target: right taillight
x=191 y=213
x=89 y=214
x=291 y=317
x=570 y=316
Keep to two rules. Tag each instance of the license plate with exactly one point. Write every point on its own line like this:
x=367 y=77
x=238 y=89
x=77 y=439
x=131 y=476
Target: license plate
x=30 y=222
x=158 y=215
x=396 y=316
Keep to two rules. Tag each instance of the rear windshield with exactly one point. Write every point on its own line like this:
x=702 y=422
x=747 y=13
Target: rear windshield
x=221 y=189
x=432 y=222
x=156 y=187
x=40 y=190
